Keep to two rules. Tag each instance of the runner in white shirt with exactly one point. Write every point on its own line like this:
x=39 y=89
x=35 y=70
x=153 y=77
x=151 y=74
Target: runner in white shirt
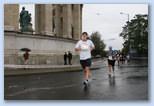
x=84 y=47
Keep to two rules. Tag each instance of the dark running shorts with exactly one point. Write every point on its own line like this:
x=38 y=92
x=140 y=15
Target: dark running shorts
x=85 y=63
x=111 y=62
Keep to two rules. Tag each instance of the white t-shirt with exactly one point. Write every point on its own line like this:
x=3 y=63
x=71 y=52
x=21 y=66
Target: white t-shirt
x=85 y=46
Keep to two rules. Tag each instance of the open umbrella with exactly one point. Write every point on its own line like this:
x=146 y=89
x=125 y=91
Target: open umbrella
x=25 y=49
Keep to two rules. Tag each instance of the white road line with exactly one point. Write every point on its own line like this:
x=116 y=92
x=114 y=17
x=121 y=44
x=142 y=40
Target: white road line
x=43 y=88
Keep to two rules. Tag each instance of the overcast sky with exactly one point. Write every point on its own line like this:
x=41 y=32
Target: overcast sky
x=105 y=18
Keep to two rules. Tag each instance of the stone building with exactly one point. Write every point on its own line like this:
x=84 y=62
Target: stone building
x=57 y=29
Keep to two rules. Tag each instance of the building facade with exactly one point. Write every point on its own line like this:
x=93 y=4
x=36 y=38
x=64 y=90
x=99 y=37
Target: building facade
x=57 y=29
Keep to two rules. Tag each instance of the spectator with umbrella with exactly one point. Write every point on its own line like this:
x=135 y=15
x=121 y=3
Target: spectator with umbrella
x=26 y=55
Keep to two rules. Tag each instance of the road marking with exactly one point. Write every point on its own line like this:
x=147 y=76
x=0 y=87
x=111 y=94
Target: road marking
x=13 y=86
x=37 y=89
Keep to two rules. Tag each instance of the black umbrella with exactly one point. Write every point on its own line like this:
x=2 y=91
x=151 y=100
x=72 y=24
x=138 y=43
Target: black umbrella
x=25 y=49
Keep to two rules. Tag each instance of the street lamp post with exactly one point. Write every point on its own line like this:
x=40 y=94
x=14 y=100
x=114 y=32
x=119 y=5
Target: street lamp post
x=127 y=31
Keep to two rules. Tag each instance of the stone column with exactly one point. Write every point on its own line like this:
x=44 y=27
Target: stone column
x=77 y=24
x=57 y=20
x=67 y=21
x=43 y=19
x=11 y=17
x=81 y=6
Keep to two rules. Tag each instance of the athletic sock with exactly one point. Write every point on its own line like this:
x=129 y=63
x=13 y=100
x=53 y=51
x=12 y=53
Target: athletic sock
x=85 y=82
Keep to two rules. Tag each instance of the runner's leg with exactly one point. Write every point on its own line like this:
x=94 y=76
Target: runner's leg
x=110 y=66
x=87 y=73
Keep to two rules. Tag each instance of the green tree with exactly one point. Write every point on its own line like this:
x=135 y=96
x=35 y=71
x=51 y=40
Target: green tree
x=135 y=35
x=99 y=44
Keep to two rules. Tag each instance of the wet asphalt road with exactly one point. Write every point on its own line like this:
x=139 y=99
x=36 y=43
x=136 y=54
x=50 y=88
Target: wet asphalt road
x=128 y=84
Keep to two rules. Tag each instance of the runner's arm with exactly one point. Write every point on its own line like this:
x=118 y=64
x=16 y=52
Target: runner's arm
x=92 y=46
x=77 y=49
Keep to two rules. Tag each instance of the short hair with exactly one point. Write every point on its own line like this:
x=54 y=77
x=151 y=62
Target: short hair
x=23 y=8
x=85 y=33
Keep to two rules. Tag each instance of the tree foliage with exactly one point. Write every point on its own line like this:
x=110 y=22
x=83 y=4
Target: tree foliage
x=135 y=35
x=99 y=44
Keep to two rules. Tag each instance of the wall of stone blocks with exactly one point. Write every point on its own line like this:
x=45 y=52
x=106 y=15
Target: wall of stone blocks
x=44 y=49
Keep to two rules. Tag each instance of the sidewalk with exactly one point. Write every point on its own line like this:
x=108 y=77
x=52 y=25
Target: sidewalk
x=11 y=69
x=34 y=69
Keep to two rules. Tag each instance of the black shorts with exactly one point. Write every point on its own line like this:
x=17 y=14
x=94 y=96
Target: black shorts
x=111 y=62
x=85 y=63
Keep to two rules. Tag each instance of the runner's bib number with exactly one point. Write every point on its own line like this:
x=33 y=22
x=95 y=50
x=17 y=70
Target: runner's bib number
x=110 y=57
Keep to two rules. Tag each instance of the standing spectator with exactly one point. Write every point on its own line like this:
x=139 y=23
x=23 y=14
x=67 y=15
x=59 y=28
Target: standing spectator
x=26 y=57
x=69 y=58
x=122 y=59
x=65 y=58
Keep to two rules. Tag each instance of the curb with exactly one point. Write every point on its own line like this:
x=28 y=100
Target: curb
x=28 y=71
x=9 y=71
